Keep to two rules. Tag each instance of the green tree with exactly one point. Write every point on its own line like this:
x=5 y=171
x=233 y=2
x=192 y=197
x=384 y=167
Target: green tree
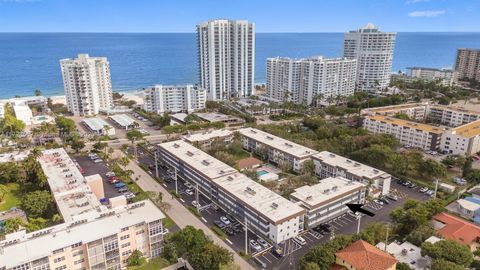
x=136 y=258
x=35 y=224
x=13 y=225
x=37 y=203
x=403 y=266
x=133 y=136
x=448 y=250
x=311 y=266
x=210 y=257
x=441 y=264
x=431 y=169
x=65 y=125
x=229 y=266
x=38 y=92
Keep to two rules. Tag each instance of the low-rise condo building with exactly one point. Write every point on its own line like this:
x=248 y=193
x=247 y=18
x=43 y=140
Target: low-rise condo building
x=98 y=126
x=205 y=139
x=328 y=164
x=266 y=212
x=276 y=149
x=451 y=116
x=327 y=199
x=174 y=98
x=462 y=140
x=418 y=135
x=414 y=111
x=123 y=121
x=92 y=240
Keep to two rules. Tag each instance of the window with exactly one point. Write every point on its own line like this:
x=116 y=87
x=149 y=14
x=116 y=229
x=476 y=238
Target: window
x=124 y=229
x=76 y=253
x=76 y=245
x=125 y=237
x=125 y=245
x=79 y=261
x=61 y=267
x=59 y=259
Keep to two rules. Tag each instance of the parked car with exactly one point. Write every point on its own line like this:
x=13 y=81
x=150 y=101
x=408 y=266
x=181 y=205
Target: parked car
x=406 y=183
x=254 y=245
x=219 y=224
x=384 y=200
x=129 y=195
x=423 y=190
x=277 y=251
x=188 y=185
x=119 y=185
x=123 y=190
x=430 y=192
x=98 y=160
x=225 y=220
x=113 y=181
x=378 y=202
x=196 y=204
x=412 y=185
x=300 y=240
x=262 y=243
x=110 y=174
x=151 y=167
x=392 y=197
x=189 y=191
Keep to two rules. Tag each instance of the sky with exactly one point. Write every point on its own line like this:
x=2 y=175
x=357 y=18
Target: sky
x=268 y=15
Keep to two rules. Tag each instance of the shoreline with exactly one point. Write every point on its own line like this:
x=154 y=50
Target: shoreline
x=135 y=95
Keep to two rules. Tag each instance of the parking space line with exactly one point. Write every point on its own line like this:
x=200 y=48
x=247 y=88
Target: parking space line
x=165 y=185
x=204 y=219
x=228 y=240
x=182 y=200
x=264 y=257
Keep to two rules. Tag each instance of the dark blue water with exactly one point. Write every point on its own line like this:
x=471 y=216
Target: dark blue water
x=30 y=61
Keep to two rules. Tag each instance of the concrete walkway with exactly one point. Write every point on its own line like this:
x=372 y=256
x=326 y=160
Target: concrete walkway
x=177 y=212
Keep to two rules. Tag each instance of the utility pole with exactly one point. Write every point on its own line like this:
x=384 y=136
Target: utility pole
x=246 y=236
x=176 y=181
x=156 y=164
x=436 y=188
x=196 y=198
x=359 y=218
x=386 y=240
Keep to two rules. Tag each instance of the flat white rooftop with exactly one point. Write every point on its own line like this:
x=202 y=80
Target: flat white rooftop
x=69 y=188
x=326 y=191
x=216 y=117
x=24 y=113
x=200 y=161
x=269 y=204
x=122 y=120
x=21 y=247
x=96 y=123
x=208 y=135
x=353 y=167
x=286 y=146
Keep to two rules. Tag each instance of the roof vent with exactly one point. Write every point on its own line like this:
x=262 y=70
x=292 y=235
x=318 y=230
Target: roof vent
x=190 y=154
x=274 y=205
x=250 y=191
x=205 y=162
x=176 y=145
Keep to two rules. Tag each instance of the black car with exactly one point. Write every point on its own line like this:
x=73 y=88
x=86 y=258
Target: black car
x=384 y=200
x=219 y=224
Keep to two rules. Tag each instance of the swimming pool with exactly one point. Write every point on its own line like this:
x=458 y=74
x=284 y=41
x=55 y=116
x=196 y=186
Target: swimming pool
x=262 y=172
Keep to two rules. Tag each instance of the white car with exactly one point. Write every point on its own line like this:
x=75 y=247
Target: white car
x=225 y=220
x=255 y=245
x=188 y=185
x=98 y=160
x=110 y=174
x=195 y=203
x=165 y=231
x=300 y=240
x=378 y=202
x=189 y=191
x=262 y=243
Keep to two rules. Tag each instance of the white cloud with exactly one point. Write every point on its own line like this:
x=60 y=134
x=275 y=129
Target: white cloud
x=415 y=1
x=426 y=13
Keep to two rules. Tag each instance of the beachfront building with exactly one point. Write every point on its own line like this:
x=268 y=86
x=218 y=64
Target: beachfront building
x=92 y=240
x=310 y=81
x=373 y=50
x=467 y=64
x=462 y=140
x=87 y=84
x=174 y=98
x=328 y=164
x=327 y=199
x=226 y=57
x=276 y=149
x=267 y=213
x=423 y=136
x=205 y=139
x=98 y=126
x=445 y=76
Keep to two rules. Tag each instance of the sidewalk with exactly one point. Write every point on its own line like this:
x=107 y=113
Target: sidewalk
x=182 y=216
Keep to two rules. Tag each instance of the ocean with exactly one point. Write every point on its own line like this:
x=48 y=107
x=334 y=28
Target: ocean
x=31 y=60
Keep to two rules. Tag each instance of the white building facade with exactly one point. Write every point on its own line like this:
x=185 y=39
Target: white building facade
x=373 y=50
x=445 y=76
x=174 y=98
x=226 y=55
x=87 y=84
x=310 y=81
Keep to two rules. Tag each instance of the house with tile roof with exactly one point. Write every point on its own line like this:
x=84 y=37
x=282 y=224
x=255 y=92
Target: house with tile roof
x=362 y=256
x=454 y=228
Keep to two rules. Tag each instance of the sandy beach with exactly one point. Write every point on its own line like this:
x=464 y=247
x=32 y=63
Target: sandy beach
x=137 y=96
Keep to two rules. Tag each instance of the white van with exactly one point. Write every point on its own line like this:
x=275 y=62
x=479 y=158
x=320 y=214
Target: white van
x=300 y=240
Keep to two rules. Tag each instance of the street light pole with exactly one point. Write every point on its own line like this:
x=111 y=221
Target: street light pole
x=246 y=236
x=156 y=164
x=359 y=218
x=196 y=198
x=176 y=182
x=436 y=188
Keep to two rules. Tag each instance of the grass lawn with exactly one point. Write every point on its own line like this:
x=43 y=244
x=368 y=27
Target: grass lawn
x=241 y=155
x=168 y=222
x=12 y=198
x=154 y=264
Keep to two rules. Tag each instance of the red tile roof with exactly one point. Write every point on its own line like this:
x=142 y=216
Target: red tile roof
x=248 y=162
x=457 y=229
x=364 y=256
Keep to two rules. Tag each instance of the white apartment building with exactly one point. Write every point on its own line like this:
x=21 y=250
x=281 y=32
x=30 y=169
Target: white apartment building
x=226 y=56
x=451 y=116
x=414 y=111
x=267 y=213
x=423 y=136
x=92 y=240
x=205 y=139
x=446 y=76
x=467 y=64
x=310 y=81
x=87 y=83
x=276 y=149
x=373 y=50
x=174 y=98
x=327 y=199
x=462 y=140
x=328 y=164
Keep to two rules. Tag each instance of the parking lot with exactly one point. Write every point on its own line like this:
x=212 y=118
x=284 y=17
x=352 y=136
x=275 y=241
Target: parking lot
x=92 y=168
x=293 y=251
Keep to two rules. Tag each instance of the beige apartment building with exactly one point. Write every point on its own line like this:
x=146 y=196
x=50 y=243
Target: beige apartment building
x=205 y=139
x=467 y=64
x=462 y=140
